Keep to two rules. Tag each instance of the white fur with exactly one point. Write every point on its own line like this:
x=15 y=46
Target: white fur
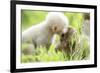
x=40 y=33
x=58 y=18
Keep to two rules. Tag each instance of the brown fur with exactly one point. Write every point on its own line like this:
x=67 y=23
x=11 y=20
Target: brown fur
x=65 y=42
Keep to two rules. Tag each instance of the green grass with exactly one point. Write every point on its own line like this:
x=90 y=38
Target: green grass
x=81 y=52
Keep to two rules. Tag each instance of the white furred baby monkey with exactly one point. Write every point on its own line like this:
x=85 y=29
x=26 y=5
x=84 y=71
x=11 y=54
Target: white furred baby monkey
x=41 y=34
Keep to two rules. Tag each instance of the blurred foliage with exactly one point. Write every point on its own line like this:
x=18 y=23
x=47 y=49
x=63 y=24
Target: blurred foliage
x=29 y=18
x=75 y=20
x=43 y=55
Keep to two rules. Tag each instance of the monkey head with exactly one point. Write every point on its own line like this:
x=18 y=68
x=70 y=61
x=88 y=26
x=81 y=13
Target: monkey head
x=68 y=34
x=65 y=40
x=57 y=22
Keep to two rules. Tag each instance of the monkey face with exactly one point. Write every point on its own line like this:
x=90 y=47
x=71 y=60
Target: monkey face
x=56 y=29
x=68 y=34
x=57 y=22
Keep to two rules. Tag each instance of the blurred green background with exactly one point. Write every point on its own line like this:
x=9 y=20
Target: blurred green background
x=31 y=17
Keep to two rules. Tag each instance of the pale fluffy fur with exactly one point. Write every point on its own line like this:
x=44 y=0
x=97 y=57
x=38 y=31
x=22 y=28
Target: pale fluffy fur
x=41 y=34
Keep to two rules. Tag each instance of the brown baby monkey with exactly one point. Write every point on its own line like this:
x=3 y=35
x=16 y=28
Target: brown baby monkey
x=74 y=45
x=68 y=41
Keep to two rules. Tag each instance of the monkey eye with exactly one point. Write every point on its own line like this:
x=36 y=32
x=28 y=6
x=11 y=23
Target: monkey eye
x=55 y=28
x=62 y=35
